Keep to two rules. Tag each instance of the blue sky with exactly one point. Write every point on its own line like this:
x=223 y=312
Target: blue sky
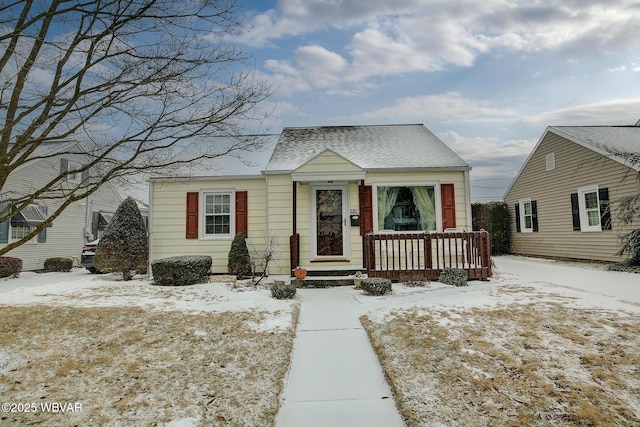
x=486 y=77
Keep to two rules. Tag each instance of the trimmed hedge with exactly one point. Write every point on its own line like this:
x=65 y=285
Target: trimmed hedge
x=182 y=270
x=454 y=277
x=283 y=291
x=375 y=285
x=494 y=217
x=10 y=266
x=58 y=264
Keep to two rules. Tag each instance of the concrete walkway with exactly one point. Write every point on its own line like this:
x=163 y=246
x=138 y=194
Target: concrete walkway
x=335 y=378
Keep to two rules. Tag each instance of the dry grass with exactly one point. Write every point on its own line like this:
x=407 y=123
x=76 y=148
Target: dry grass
x=135 y=366
x=535 y=364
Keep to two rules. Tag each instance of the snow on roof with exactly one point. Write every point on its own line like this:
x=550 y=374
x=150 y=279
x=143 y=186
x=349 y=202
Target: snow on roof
x=369 y=147
x=240 y=163
x=611 y=141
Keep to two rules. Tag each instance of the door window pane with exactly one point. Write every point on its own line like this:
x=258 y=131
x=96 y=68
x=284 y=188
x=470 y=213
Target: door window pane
x=329 y=222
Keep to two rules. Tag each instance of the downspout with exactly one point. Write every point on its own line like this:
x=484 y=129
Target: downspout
x=467 y=183
x=266 y=205
x=149 y=224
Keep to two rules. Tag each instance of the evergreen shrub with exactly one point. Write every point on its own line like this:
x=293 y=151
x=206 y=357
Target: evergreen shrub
x=58 y=264
x=124 y=246
x=10 y=266
x=239 y=259
x=182 y=270
x=454 y=277
x=493 y=217
x=283 y=291
x=375 y=285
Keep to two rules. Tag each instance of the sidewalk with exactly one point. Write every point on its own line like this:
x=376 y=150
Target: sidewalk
x=335 y=378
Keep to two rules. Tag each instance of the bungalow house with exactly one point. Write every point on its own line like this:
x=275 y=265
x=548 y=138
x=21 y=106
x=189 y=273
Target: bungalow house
x=563 y=200
x=80 y=222
x=319 y=192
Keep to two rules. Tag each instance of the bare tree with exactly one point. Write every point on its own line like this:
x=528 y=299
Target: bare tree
x=261 y=257
x=132 y=82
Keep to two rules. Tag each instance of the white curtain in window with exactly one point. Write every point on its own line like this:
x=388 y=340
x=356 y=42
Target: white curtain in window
x=426 y=206
x=387 y=197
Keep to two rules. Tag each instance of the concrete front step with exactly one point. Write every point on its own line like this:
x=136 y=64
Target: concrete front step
x=322 y=281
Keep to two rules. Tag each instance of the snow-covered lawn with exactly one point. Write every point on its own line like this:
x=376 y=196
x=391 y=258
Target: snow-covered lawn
x=511 y=352
x=129 y=353
x=539 y=344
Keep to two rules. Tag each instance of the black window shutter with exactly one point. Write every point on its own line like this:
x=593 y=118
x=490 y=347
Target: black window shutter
x=534 y=215
x=64 y=165
x=518 y=218
x=575 y=211
x=42 y=236
x=95 y=224
x=4 y=227
x=605 y=214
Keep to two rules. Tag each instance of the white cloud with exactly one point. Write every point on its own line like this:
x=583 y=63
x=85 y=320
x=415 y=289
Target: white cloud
x=429 y=35
x=449 y=107
x=490 y=157
x=610 y=112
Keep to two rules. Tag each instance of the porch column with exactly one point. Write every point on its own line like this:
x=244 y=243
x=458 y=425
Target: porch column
x=294 y=241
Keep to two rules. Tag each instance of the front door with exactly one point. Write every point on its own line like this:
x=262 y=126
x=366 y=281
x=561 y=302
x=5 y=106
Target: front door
x=329 y=229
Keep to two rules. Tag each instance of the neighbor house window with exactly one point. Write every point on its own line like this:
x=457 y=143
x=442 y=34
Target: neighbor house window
x=20 y=231
x=217 y=214
x=25 y=221
x=526 y=216
x=74 y=176
x=590 y=209
x=406 y=208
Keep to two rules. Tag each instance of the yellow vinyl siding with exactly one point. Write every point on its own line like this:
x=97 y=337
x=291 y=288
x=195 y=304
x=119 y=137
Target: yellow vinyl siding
x=270 y=211
x=328 y=161
x=576 y=167
x=168 y=220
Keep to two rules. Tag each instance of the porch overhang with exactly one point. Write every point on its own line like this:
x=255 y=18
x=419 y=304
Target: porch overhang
x=328 y=176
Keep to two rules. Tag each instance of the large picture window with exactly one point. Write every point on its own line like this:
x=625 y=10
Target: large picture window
x=406 y=208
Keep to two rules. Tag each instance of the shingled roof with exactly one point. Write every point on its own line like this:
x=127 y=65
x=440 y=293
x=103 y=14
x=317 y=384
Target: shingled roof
x=371 y=147
x=616 y=142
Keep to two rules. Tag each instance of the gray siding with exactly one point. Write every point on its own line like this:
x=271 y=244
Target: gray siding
x=576 y=167
x=67 y=234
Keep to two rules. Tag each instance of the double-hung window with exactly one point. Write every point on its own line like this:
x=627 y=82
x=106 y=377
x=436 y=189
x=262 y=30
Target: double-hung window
x=526 y=216
x=217 y=214
x=590 y=209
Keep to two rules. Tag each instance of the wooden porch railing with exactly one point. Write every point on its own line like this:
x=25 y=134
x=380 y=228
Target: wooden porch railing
x=422 y=256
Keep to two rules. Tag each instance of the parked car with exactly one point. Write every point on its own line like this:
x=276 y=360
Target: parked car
x=88 y=253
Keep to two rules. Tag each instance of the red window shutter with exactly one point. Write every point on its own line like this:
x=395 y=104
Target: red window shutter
x=242 y=219
x=366 y=209
x=448 y=206
x=192 y=215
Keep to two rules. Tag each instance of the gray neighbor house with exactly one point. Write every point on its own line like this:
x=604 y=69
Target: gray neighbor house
x=81 y=222
x=563 y=201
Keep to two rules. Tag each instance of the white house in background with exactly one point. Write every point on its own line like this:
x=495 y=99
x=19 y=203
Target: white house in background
x=81 y=221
